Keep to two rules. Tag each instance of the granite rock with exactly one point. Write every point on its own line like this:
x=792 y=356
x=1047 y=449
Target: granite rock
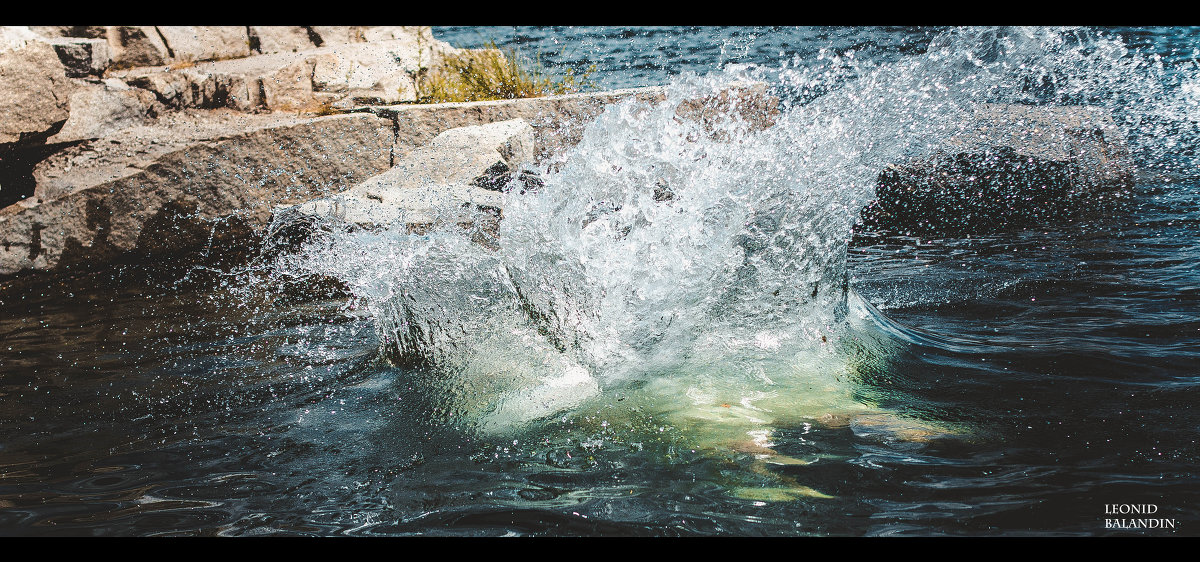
x=194 y=181
x=433 y=184
x=103 y=107
x=133 y=46
x=267 y=39
x=34 y=90
x=82 y=57
x=202 y=43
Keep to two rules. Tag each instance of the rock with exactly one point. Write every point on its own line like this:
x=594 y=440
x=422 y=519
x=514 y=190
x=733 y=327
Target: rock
x=380 y=73
x=133 y=46
x=268 y=39
x=377 y=73
x=745 y=106
x=288 y=87
x=200 y=181
x=83 y=57
x=337 y=34
x=34 y=90
x=199 y=86
x=558 y=121
x=17 y=36
x=341 y=35
x=1015 y=166
x=202 y=43
x=210 y=179
x=83 y=31
x=390 y=32
x=432 y=184
x=102 y=108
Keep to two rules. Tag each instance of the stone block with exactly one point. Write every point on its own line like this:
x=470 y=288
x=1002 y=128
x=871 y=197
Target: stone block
x=83 y=57
x=34 y=89
x=206 y=178
x=203 y=43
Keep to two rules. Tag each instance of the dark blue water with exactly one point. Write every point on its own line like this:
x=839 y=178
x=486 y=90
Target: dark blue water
x=165 y=401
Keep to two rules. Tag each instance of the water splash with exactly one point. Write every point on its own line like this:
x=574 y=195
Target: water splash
x=700 y=258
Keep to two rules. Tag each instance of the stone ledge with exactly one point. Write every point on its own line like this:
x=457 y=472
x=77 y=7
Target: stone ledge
x=558 y=121
x=221 y=180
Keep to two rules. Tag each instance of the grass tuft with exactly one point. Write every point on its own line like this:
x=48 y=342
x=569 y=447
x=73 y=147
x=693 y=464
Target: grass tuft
x=495 y=74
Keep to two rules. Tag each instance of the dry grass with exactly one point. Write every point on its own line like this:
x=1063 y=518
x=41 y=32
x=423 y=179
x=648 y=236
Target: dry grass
x=493 y=74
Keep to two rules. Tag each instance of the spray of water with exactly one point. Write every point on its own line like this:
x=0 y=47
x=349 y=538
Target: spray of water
x=700 y=263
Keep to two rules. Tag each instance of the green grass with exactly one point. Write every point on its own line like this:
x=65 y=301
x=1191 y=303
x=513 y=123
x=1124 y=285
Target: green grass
x=495 y=74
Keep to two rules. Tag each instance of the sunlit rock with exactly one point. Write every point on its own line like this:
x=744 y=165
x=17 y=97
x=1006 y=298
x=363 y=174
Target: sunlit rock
x=191 y=181
x=382 y=72
x=268 y=39
x=101 y=108
x=83 y=56
x=136 y=46
x=446 y=180
x=337 y=34
x=34 y=90
x=211 y=42
x=342 y=34
x=81 y=31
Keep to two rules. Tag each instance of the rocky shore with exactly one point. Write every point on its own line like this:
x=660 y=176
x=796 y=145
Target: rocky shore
x=176 y=141
x=165 y=140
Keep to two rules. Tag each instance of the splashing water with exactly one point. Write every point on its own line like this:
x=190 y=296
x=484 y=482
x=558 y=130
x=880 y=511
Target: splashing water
x=700 y=264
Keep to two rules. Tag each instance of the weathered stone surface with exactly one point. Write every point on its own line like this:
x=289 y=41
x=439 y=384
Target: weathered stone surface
x=82 y=56
x=1015 y=166
x=741 y=106
x=136 y=46
x=434 y=183
x=337 y=34
x=381 y=72
x=199 y=87
x=268 y=39
x=102 y=108
x=368 y=72
x=391 y=32
x=201 y=43
x=84 y=31
x=200 y=179
x=34 y=90
x=558 y=121
x=287 y=87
